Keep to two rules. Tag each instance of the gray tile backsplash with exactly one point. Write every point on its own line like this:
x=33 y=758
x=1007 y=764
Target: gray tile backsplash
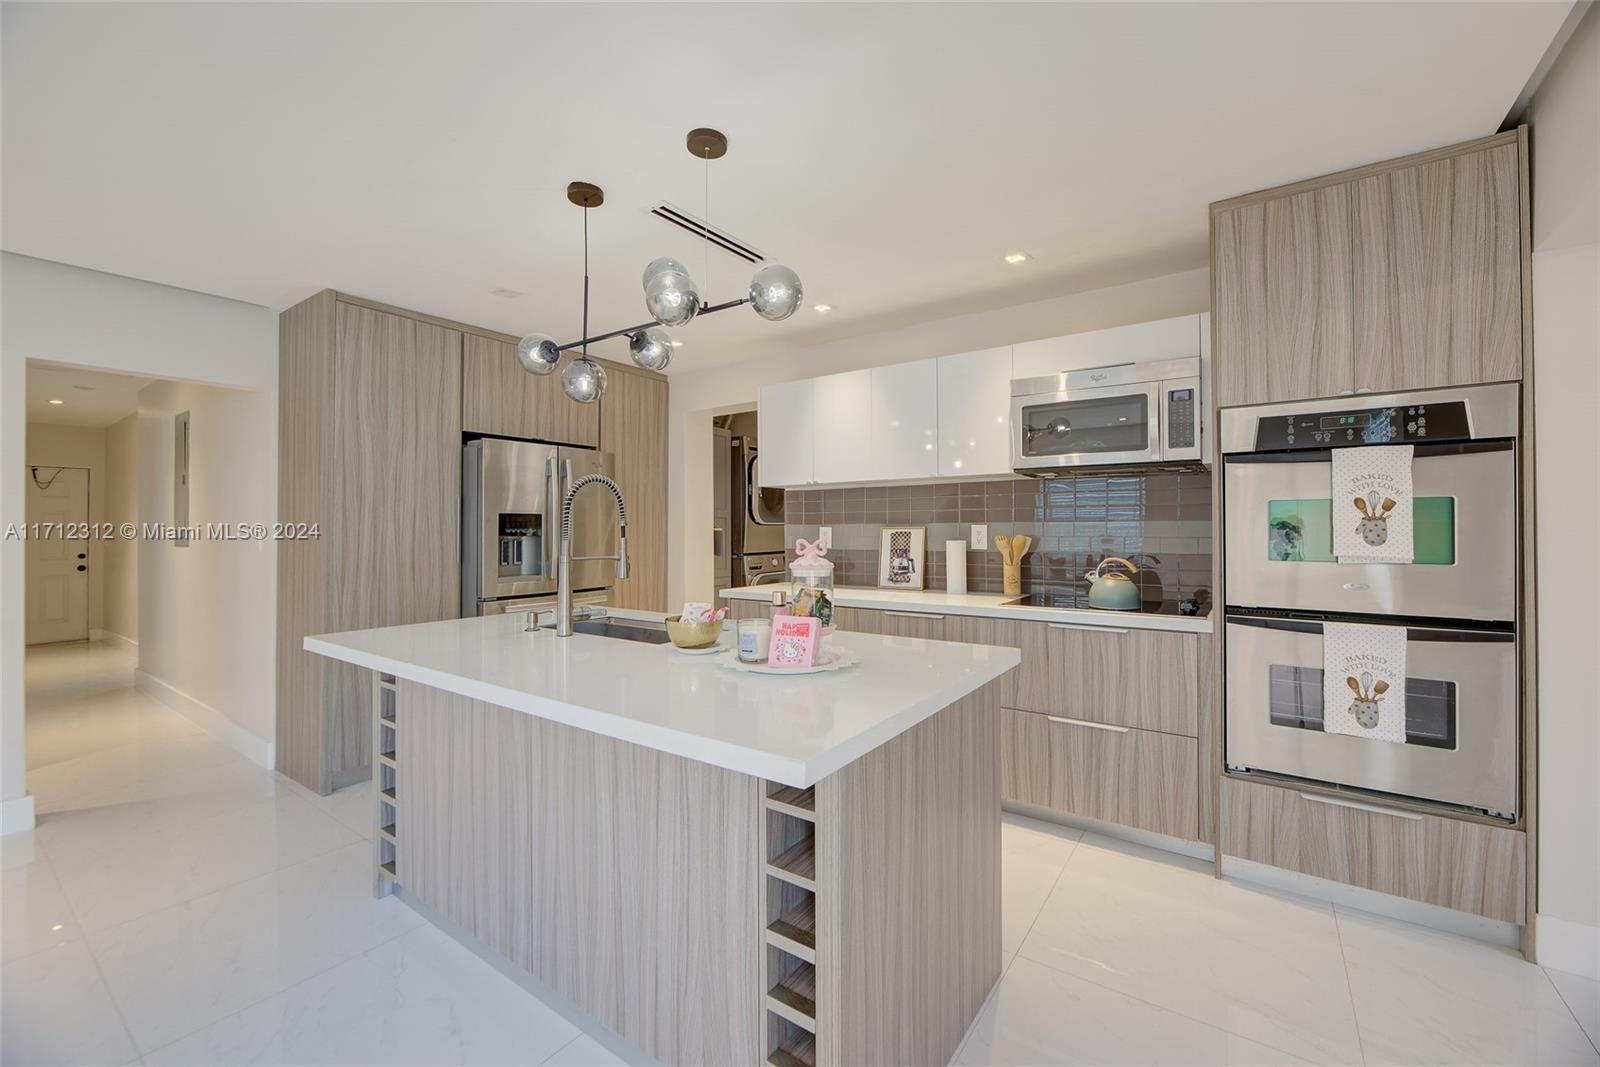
x=1161 y=521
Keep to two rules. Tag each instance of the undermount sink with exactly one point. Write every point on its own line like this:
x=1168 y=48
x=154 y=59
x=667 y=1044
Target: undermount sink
x=643 y=632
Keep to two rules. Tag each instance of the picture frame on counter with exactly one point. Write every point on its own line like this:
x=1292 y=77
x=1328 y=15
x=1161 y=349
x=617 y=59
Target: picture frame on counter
x=902 y=557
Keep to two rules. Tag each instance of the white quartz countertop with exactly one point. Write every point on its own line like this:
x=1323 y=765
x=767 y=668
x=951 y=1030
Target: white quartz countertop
x=989 y=605
x=795 y=730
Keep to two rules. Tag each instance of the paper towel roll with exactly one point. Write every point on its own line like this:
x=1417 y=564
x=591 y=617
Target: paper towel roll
x=955 y=567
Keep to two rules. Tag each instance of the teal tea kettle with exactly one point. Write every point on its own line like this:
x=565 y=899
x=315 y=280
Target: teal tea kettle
x=1112 y=589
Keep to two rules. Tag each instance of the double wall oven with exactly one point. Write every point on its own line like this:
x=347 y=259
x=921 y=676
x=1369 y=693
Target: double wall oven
x=1458 y=600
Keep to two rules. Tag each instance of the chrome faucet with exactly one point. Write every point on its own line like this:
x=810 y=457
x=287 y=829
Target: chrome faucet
x=565 y=558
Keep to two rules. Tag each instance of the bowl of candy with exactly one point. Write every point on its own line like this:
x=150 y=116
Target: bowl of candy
x=811 y=583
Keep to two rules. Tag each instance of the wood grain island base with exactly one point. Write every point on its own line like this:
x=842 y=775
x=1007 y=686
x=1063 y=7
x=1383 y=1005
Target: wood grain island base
x=707 y=915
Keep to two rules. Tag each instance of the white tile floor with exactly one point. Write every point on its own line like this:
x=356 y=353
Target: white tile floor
x=178 y=905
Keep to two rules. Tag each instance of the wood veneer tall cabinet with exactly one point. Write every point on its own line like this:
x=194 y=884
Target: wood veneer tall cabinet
x=633 y=428
x=369 y=431
x=1406 y=274
x=498 y=397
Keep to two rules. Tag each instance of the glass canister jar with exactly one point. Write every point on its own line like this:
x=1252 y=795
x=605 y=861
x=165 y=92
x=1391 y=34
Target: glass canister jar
x=811 y=582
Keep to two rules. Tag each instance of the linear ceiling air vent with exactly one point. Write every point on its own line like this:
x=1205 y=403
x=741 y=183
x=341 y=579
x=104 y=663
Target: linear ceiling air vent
x=725 y=241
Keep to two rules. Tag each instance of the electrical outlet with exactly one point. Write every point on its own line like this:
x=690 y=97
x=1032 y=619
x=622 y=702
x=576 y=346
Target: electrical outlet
x=825 y=535
x=980 y=535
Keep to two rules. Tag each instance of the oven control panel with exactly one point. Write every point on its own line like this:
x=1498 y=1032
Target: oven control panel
x=1413 y=424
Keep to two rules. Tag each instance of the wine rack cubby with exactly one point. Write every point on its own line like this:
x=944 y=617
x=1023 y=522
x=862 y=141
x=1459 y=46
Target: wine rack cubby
x=791 y=936
x=386 y=732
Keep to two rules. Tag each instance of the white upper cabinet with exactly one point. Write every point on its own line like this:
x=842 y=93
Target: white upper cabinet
x=842 y=427
x=1141 y=343
x=905 y=420
x=975 y=413
x=784 y=433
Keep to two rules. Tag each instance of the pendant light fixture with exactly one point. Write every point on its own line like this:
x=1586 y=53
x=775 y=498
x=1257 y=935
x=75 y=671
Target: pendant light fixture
x=670 y=297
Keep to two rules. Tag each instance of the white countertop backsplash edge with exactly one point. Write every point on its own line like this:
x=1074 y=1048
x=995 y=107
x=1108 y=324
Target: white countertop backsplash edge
x=986 y=605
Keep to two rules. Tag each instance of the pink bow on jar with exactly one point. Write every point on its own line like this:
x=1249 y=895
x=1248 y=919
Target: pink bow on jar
x=812 y=550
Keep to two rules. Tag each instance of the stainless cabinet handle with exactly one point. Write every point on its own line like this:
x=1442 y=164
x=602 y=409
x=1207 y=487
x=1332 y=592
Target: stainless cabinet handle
x=1091 y=725
x=913 y=615
x=1087 y=626
x=1375 y=809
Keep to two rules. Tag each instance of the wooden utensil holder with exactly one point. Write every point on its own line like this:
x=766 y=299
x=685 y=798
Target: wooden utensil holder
x=1012 y=573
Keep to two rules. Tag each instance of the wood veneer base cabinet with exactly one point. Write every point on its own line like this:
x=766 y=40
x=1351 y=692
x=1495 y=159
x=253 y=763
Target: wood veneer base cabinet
x=1468 y=866
x=638 y=884
x=633 y=428
x=1407 y=274
x=499 y=397
x=369 y=425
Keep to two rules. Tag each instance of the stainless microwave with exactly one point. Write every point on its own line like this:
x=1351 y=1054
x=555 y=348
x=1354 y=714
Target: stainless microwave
x=1130 y=414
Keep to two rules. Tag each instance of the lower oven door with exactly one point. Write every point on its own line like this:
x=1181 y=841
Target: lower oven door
x=1461 y=715
x=1278 y=536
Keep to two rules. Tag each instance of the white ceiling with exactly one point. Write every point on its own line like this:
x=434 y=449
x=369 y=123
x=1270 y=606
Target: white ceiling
x=417 y=154
x=88 y=397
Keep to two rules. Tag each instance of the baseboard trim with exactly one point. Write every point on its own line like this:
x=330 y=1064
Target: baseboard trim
x=209 y=719
x=16 y=815
x=111 y=637
x=1564 y=945
x=1198 y=850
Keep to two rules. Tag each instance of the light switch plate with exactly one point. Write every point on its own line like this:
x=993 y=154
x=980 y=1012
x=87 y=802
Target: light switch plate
x=825 y=535
x=980 y=535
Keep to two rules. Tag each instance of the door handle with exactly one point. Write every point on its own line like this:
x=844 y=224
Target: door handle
x=1063 y=720
x=1375 y=809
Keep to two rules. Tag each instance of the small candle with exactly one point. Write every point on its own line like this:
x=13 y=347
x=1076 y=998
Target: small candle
x=755 y=640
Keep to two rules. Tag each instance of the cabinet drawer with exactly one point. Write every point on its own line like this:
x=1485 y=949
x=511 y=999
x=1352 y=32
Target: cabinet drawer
x=1117 y=774
x=1024 y=758
x=1141 y=678
x=927 y=625
x=1467 y=866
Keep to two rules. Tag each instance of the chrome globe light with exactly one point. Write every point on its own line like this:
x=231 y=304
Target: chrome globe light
x=584 y=380
x=538 y=353
x=650 y=348
x=671 y=298
x=775 y=292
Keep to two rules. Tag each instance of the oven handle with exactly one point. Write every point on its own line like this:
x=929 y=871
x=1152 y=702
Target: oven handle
x=1376 y=809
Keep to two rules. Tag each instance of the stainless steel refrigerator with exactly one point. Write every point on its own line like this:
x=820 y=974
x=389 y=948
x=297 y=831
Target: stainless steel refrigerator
x=511 y=493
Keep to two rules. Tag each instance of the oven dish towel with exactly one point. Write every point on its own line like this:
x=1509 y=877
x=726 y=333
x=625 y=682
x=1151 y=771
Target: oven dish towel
x=1372 y=501
x=1364 y=681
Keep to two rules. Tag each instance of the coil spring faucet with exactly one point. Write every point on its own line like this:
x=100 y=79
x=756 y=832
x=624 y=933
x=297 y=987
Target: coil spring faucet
x=565 y=559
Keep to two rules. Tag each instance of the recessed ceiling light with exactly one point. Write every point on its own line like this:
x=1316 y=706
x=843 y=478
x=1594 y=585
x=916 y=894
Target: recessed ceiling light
x=1019 y=256
x=53 y=401
x=677 y=344
x=822 y=309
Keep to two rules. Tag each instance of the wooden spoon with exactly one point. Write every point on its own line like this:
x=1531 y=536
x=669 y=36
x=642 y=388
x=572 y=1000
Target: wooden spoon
x=1020 y=543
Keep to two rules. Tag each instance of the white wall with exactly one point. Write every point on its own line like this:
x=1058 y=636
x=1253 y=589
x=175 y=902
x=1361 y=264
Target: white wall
x=206 y=618
x=119 y=556
x=1565 y=116
x=70 y=315
x=78 y=446
x=695 y=396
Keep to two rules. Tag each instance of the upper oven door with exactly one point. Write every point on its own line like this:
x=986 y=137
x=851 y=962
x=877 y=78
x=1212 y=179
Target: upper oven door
x=1084 y=427
x=1461 y=715
x=1278 y=536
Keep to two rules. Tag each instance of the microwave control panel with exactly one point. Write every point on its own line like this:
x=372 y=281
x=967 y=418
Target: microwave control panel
x=1413 y=424
x=1180 y=418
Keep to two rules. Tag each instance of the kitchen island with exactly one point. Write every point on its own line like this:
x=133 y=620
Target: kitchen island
x=722 y=868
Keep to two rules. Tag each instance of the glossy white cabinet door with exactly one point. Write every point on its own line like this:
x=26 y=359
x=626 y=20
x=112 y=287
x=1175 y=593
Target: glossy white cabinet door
x=842 y=405
x=975 y=413
x=1142 y=342
x=784 y=433
x=905 y=420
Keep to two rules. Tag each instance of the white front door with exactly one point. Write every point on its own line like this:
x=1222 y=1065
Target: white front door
x=58 y=565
